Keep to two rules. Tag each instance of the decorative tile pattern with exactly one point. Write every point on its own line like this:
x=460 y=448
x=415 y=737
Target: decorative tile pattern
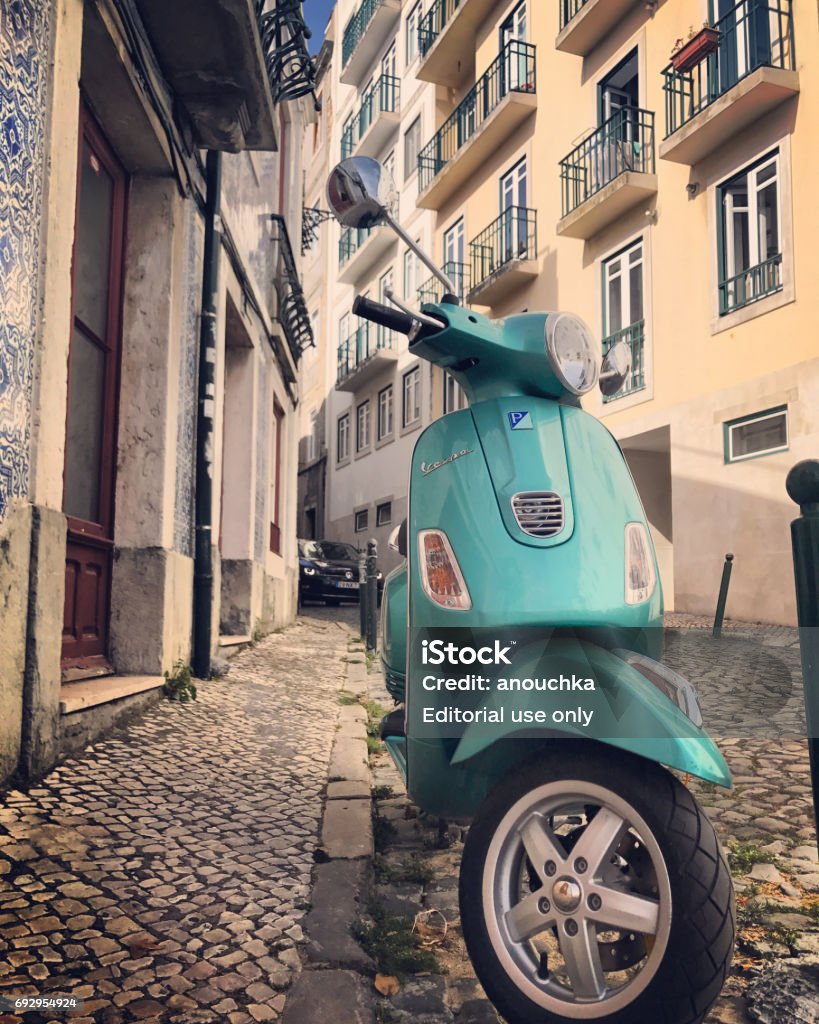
x=186 y=416
x=24 y=69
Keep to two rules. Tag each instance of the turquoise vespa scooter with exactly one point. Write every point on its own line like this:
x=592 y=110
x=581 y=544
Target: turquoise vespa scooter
x=521 y=641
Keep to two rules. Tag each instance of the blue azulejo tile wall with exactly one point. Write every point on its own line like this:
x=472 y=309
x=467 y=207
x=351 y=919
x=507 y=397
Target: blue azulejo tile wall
x=24 y=69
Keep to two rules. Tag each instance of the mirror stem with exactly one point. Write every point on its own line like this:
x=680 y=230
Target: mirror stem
x=419 y=252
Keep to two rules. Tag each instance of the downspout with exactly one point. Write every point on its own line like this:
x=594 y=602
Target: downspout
x=203 y=543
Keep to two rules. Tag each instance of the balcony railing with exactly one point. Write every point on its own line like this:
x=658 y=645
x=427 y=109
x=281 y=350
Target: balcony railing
x=753 y=34
x=380 y=98
x=350 y=242
x=634 y=337
x=513 y=70
x=291 y=312
x=570 y=9
x=356 y=28
x=433 y=23
x=511 y=237
x=750 y=285
x=432 y=290
x=290 y=67
x=625 y=142
x=359 y=347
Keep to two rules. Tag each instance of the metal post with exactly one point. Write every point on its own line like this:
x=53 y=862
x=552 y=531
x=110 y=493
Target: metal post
x=362 y=594
x=803 y=487
x=723 y=596
x=372 y=594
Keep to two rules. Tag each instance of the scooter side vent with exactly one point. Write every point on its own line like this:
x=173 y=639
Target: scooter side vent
x=538 y=513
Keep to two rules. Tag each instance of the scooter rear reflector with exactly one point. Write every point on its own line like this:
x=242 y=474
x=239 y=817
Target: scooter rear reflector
x=538 y=513
x=441 y=575
x=640 y=575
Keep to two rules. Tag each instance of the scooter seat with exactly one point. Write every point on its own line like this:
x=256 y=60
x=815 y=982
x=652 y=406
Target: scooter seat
x=393 y=724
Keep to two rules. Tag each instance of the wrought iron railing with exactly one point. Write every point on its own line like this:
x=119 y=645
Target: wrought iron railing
x=284 y=36
x=432 y=290
x=625 y=142
x=311 y=220
x=570 y=9
x=752 y=34
x=291 y=312
x=513 y=70
x=356 y=28
x=433 y=23
x=359 y=347
x=634 y=337
x=381 y=98
x=350 y=242
x=512 y=236
x=750 y=285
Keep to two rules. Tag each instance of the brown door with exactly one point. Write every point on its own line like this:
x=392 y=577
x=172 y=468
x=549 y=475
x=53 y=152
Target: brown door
x=93 y=382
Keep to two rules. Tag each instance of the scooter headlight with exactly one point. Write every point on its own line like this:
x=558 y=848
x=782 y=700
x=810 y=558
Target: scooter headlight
x=640 y=575
x=441 y=576
x=572 y=351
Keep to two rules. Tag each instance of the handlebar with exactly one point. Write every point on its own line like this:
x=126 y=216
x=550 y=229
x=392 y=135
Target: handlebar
x=387 y=316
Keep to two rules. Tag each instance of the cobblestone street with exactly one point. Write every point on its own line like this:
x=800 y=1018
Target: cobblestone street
x=163 y=874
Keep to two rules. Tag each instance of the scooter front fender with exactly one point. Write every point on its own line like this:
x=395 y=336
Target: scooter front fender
x=631 y=714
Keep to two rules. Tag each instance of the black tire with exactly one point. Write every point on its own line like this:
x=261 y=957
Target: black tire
x=700 y=938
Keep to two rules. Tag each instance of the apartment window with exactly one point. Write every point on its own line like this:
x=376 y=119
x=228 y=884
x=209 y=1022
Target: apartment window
x=412 y=147
x=385 y=412
x=343 y=437
x=362 y=430
x=312 y=437
x=760 y=434
x=388 y=62
x=384 y=335
x=275 y=479
x=454 y=255
x=623 y=317
x=389 y=164
x=411 y=412
x=413 y=24
x=750 y=250
x=362 y=520
x=383 y=513
x=454 y=396
x=411 y=274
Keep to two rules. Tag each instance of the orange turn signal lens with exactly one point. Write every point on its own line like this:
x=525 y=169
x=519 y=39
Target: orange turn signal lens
x=441 y=575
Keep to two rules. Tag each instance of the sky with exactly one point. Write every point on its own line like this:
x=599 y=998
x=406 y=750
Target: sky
x=316 y=13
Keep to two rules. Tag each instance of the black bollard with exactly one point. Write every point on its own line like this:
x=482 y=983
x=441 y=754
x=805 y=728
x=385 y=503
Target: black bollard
x=362 y=594
x=803 y=487
x=372 y=595
x=723 y=596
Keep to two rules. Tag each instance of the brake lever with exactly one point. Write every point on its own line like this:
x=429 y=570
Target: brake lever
x=422 y=318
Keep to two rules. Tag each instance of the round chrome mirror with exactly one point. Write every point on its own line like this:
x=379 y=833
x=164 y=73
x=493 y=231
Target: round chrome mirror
x=360 y=191
x=616 y=368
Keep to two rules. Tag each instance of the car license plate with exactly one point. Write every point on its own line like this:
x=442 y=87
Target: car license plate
x=347 y=586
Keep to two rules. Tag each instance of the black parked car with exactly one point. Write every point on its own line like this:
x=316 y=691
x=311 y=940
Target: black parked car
x=328 y=571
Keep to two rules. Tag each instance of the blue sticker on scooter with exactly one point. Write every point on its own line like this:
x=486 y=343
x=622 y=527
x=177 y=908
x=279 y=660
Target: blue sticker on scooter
x=520 y=420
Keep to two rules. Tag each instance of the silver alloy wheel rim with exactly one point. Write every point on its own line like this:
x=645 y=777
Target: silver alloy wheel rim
x=524 y=832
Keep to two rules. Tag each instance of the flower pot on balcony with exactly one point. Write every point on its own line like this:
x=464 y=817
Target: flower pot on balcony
x=695 y=50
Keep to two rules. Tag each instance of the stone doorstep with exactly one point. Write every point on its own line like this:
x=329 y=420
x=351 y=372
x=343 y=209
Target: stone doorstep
x=104 y=690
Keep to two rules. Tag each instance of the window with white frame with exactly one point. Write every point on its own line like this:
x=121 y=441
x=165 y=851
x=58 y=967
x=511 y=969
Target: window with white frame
x=388 y=62
x=383 y=513
x=343 y=437
x=411 y=275
x=362 y=520
x=412 y=147
x=384 y=335
x=454 y=264
x=362 y=428
x=750 y=249
x=312 y=437
x=411 y=405
x=623 y=312
x=385 y=412
x=454 y=396
x=389 y=164
x=762 y=433
x=413 y=24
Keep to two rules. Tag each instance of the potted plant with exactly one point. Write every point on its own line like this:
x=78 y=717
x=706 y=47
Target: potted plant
x=687 y=53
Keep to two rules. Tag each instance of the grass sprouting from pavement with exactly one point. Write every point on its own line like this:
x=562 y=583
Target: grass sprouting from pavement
x=743 y=856
x=393 y=945
x=413 y=868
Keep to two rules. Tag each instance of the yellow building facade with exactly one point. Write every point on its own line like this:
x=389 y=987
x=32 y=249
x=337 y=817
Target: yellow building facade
x=576 y=165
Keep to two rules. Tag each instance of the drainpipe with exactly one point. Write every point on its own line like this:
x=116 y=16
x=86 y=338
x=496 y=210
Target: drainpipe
x=203 y=544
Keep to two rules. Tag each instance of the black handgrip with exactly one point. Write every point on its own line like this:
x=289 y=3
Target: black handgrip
x=387 y=316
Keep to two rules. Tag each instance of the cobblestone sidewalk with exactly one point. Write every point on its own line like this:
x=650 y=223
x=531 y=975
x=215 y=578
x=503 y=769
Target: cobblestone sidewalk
x=162 y=876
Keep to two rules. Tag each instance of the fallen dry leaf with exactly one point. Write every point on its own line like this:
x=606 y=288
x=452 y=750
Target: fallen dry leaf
x=387 y=985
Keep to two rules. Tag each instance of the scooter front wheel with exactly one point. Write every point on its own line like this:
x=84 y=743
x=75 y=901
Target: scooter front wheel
x=593 y=889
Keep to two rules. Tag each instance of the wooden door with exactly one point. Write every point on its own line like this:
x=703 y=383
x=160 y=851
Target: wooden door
x=93 y=385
